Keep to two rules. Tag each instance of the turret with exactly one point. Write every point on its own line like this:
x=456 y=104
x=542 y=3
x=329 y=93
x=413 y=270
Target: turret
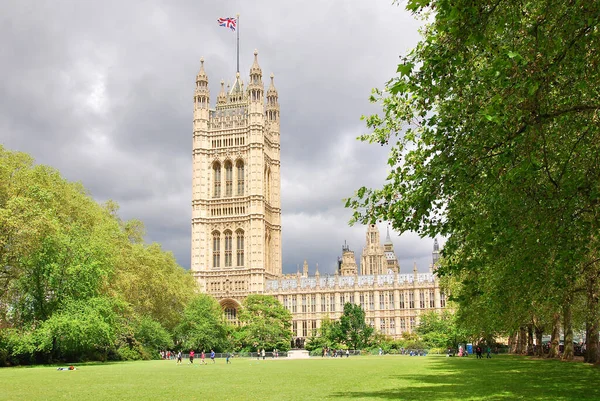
x=222 y=98
x=201 y=94
x=255 y=86
x=392 y=264
x=436 y=252
x=348 y=262
x=272 y=110
x=201 y=108
x=305 y=269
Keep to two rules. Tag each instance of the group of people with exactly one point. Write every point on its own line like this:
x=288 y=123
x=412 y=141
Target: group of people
x=478 y=352
x=259 y=353
x=335 y=352
x=192 y=354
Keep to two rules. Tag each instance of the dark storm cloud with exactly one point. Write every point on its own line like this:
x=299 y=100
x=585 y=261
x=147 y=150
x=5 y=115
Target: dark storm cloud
x=102 y=91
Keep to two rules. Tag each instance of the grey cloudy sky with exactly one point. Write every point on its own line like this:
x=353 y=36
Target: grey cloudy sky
x=102 y=91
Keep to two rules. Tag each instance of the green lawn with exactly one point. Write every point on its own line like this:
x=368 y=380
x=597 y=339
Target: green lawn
x=360 y=378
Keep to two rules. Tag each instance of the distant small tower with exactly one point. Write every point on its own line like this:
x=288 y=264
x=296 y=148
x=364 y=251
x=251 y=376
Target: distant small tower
x=373 y=259
x=348 y=262
x=305 y=269
x=436 y=253
x=393 y=265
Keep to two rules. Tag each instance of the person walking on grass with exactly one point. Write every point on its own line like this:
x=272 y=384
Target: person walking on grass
x=191 y=357
x=227 y=359
x=212 y=355
x=202 y=358
x=179 y=358
x=489 y=352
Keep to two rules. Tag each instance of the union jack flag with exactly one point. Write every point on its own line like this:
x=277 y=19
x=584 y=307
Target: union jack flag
x=228 y=23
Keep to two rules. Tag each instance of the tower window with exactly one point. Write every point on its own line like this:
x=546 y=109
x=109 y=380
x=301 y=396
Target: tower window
x=228 y=179
x=240 y=177
x=240 y=248
x=216 y=249
x=228 y=248
x=217 y=180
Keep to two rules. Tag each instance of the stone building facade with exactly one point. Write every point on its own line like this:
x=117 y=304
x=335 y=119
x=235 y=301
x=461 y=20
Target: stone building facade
x=236 y=223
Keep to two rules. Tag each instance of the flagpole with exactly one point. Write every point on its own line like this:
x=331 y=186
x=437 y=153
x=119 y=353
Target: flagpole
x=238 y=42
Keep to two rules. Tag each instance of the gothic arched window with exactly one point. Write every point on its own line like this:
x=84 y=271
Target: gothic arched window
x=228 y=248
x=240 y=247
x=228 y=178
x=216 y=249
x=268 y=185
x=231 y=315
x=240 y=177
x=217 y=180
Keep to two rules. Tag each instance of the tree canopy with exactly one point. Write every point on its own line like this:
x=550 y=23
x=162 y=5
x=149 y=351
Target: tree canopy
x=265 y=323
x=77 y=282
x=352 y=329
x=493 y=124
x=203 y=325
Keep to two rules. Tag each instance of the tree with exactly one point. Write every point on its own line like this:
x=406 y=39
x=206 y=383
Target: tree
x=153 y=283
x=203 y=325
x=352 y=330
x=81 y=330
x=494 y=127
x=440 y=330
x=56 y=243
x=265 y=323
x=325 y=337
x=75 y=280
x=152 y=335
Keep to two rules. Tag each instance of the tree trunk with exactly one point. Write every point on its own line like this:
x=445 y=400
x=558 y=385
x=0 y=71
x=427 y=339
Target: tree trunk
x=522 y=341
x=530 y=339
x=555 y=336
x=568 y=330
x=539 y=332
x=591 y=324
x=512 y=343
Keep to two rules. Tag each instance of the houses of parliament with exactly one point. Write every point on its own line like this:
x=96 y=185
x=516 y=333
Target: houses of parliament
x=236 y=224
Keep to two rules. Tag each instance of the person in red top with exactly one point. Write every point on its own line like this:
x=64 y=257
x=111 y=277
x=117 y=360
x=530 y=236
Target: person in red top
x=202 y=357
x=192 y=356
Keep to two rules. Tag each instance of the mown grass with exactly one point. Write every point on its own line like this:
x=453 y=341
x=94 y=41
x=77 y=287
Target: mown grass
x=357 y=378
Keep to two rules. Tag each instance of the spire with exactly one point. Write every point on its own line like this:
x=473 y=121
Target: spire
x=237 y=90
x=202 y=77
x=272 y=90
x=388 y=240
x=255 y=69
x=255 y=86
x=222 y=98
x=201 y=94
x=436 y=252
x=272 y=104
